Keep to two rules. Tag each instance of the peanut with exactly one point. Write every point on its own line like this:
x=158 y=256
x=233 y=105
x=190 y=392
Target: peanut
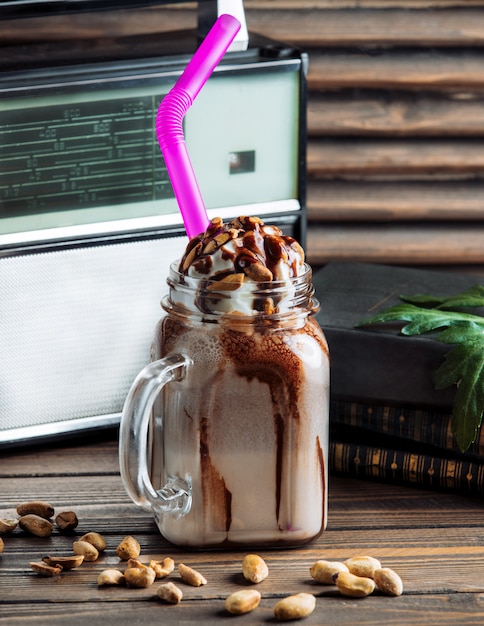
x=163 y=568
x=2 y=545
x=388 y=581
x=36 y=507
x=46 y=570
x=96 y=540
x=354 y=586
x=129 y=548
x=8 y=525
x=135 y=563
x=191 y=576
x=67 y=520
x=254 y=568
x=363 y=565
x=295 y=607
x=139 y=577
x=36 y=525
x=168 y=592
x=66 y=562
x=242 y=601
x=111 y=577
x=87 y=550
x=323 y=571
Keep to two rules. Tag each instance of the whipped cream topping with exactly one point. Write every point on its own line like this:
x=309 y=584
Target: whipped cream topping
x=243 y=249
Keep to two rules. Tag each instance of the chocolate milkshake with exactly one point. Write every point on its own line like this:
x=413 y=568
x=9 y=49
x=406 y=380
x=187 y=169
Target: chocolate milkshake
x=245 y=427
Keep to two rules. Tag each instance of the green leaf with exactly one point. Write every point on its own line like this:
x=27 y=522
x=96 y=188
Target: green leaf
x=461 y=332
x=421 y=320
x=473 y=297
x=463 y=365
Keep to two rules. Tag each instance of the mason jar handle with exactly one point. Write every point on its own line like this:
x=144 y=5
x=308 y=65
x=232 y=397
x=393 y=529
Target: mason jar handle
x=176 y=496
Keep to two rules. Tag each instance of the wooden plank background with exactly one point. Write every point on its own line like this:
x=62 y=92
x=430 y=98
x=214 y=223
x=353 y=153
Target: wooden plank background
x=395 y=117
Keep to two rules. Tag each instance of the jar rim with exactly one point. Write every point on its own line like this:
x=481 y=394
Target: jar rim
x=263 y=286
x=208 y=297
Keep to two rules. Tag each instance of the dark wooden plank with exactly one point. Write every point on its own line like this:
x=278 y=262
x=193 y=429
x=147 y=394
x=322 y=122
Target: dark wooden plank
x=417 y=244
x=368 y=4
x=311 y=24
x=395 y=114
x=103 y=502
x=64 y=458
x=460 y=69
x=371 y=27
x=445 y=609
x=391 y=201
x=349 y=158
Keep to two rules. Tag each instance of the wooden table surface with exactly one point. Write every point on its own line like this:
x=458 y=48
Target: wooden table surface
x=434 y=541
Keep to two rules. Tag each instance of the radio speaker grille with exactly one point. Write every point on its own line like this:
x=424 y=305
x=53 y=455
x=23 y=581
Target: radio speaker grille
x=76 y=327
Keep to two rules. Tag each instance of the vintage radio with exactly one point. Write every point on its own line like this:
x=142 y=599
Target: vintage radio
x=88 y=220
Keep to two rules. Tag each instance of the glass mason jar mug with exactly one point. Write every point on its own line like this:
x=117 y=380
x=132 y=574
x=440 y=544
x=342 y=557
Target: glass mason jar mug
x=224 y=435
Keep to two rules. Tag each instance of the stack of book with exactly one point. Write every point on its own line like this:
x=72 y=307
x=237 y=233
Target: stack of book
x=388 y=422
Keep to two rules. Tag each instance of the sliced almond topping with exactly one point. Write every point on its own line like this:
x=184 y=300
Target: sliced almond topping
x=228 y=283
x=210 y=247
x=191 y=256
x=258 y=272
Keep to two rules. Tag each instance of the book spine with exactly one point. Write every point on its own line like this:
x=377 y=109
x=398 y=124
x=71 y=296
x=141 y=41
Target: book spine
x=406 y=468
x=429 y=427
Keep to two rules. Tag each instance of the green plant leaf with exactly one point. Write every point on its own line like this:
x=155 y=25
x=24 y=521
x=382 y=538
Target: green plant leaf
x=473 y=297
x=421 y=320
x=463 y=365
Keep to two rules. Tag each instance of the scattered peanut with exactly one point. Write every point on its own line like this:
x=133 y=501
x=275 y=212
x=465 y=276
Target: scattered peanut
x=8 y=525
x=163 y=568
x=96 y=540
x=168 y=592
x=191 y=576
x=295 y=607
x=242 y=601
x=323 y=571
x=46 y=570
x=135 y=563
x=87 y=550
x=355 y=577
x=254 y=568
x=139 y=577
x=129 y=548
x=388 y=581
x=35 y=525
x=363 y=565
x=36 y=507
x=354 y=586
x=111 y=577
x=67 y=520
x=66 y=562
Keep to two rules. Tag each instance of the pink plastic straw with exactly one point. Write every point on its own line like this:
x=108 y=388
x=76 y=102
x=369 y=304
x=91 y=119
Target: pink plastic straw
x=169 y=128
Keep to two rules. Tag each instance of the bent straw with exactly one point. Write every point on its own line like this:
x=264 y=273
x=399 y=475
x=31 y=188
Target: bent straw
x=169 y=120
